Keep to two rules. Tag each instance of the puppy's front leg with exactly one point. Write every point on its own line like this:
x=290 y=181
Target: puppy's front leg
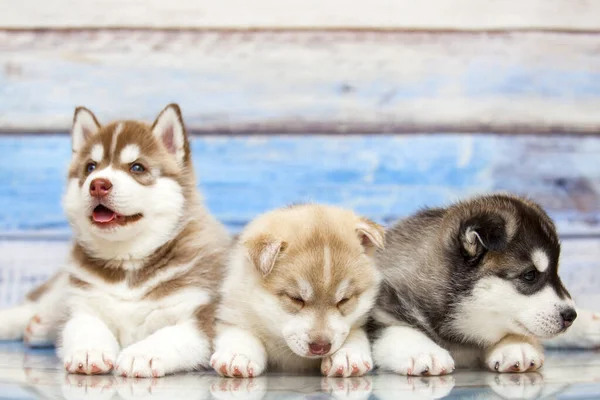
x=352 y=359
x=238 y=353
x=408 y=351
x=174 y=348
x=14 y=321
x=88 y=346
x=514 y=354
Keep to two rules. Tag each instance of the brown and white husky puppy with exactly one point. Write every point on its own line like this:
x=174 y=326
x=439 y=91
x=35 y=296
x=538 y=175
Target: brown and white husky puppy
x=300 y=284
x=476 y=282
x=139 y=293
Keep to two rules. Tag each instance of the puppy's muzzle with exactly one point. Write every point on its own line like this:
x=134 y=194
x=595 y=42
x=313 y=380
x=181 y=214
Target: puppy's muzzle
x=319 y=348
x=568 y=315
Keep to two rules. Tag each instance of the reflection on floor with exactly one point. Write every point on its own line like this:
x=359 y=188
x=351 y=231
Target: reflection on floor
x=36 y=374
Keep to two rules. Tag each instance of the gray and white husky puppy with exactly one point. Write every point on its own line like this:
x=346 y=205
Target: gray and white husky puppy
x=473 y=283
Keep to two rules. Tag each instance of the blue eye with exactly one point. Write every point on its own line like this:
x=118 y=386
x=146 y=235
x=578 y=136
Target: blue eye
x=90 y=167
x=137 y=168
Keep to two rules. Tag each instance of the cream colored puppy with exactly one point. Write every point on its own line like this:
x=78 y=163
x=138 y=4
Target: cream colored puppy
x=301 y=281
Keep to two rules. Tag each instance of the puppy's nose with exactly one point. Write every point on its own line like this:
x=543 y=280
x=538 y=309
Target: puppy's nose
x=100 y=187
x=568 y=316
x=319 y=348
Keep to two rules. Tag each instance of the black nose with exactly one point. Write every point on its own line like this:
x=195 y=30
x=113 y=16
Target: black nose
x=568 y=316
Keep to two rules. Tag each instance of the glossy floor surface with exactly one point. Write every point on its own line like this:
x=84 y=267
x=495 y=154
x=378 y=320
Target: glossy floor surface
x=36 y=374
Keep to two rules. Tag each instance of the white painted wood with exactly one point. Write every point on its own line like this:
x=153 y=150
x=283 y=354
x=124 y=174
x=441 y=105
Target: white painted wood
x=241 y=14
x=306 y=81
x=26 y=264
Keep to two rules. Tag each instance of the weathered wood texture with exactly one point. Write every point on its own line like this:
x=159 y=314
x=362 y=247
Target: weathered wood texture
x=382 y=176
x=306 y=81
x=240 y=14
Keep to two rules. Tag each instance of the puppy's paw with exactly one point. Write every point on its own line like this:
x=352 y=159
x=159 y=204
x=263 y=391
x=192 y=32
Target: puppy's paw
x=237 y=365
x=89 y=362
x=514 y=356
x=428 y=359
x=39 y=332
x=347 y=362
x=352 y=388
x=139 y=364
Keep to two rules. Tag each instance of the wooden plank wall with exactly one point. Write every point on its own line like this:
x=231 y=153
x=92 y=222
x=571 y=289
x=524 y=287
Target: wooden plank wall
x=383 y=106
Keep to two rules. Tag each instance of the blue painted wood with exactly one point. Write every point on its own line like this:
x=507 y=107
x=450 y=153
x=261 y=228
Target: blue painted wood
x=383 y=176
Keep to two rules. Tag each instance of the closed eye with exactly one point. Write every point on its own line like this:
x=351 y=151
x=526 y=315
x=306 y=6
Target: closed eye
x=298 y=300
x=343 y=301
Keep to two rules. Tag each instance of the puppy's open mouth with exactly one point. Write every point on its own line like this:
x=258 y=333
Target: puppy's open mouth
x=103 y=216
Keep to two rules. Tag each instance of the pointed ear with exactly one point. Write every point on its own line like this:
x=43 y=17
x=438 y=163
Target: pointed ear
x=169 y=129
x=371 y=235
x=482 y=233
x=85 y=125
x=263 y=251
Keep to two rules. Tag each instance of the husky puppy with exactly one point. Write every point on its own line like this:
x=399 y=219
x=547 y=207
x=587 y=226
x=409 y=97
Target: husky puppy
x=139 y=293
x=301 y=281
x=476 y=282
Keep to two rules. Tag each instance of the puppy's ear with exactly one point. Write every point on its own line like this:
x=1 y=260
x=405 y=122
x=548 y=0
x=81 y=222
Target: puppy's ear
x=85 y=125
x=263 y=251
x=482 y=233
x=371 y=235
x=169 y=129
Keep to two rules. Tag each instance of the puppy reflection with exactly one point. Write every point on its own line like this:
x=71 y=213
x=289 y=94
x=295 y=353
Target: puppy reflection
x=186 y=386
x=516 y=386
x=239 y=388
x=394 y=386
x=53 y=384
x=359 y=387
x=292 y=387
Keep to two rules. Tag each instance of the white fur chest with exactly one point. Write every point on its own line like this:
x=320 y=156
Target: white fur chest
x=129 y=315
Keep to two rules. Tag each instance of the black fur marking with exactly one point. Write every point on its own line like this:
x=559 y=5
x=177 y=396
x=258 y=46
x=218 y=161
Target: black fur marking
x=463 y=264
x=490 y=227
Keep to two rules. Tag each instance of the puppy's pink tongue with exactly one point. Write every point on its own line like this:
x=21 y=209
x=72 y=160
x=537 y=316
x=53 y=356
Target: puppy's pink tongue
x=103 y=215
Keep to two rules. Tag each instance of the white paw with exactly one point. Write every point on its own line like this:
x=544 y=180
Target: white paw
x=252 y=389
x=40 y=333
x=347 y=362
x=407 y=351
x=425 y=360
x=139 y=364
x=351 y=388
x=512 y=356
x=237 y=365
x=89 y=362
x=89 y=387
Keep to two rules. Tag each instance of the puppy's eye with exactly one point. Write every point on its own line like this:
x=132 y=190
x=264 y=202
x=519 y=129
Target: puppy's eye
x=90 y=167
x=297 y=300
x=343 y=301
x=137 y=168
x=530 y=276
